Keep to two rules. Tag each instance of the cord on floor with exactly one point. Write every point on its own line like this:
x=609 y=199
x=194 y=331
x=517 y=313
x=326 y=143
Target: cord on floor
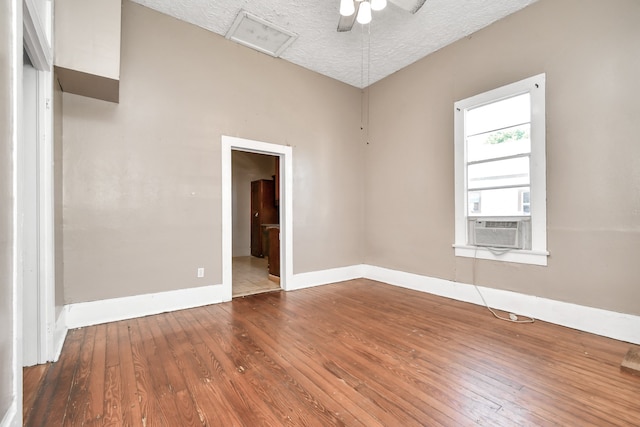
x=513 y=318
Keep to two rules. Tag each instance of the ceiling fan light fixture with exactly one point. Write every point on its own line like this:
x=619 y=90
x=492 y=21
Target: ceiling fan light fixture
x=378 y=4
x=347 y=7
x=364 y=13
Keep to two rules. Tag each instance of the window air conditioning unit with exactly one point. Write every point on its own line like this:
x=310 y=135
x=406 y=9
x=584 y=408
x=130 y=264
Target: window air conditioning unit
x=498 y=233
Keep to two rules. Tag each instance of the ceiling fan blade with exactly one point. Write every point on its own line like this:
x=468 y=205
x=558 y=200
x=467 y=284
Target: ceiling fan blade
x=346 y=22
x=411 y=6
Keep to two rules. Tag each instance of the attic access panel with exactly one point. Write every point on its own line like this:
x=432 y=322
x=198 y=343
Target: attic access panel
x=261 y=35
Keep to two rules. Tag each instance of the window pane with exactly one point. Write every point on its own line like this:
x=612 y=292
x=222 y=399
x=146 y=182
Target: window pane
x=500 y=202
x=498 y=115
x=499 y=173
x=501 y=143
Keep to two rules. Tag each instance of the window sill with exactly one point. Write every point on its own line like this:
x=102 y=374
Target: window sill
x=515 y=255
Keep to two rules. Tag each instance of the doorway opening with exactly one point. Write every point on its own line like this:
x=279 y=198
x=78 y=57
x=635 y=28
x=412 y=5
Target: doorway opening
x=256 y=223
x=256 y=240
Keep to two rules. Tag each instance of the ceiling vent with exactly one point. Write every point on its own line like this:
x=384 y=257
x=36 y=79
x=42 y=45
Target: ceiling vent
x=258 y=34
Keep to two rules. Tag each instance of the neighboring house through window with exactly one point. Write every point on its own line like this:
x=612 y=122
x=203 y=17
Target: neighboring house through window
x=500 y=178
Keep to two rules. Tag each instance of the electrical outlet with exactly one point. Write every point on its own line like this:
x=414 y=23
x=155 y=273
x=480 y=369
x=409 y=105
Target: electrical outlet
x=200 y=272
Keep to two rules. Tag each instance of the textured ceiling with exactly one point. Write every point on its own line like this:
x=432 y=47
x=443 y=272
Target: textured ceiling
x=394 y=38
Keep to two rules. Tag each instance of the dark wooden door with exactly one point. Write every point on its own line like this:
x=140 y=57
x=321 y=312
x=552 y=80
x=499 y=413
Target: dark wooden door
x=274 y=251
x=263 y=211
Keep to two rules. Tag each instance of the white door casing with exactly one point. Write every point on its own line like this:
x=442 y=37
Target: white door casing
x=34 y=177
x=28 y=221
x=285 y=153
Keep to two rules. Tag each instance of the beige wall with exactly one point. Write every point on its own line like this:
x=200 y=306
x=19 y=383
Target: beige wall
x=7 y=127
x=246 y=167
x=142 y=196
x=142 y=190
x=87 y=47
x=589 y=52
x=87 y=37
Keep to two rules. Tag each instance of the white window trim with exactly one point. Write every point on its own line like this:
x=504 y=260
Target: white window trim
x=538 y=254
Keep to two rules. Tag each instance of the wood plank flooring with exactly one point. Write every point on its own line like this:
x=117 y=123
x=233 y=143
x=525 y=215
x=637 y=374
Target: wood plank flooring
x=31 y=380
x=358 y=353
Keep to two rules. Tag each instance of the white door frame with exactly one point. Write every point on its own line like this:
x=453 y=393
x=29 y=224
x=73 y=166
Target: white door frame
x=28 y=204
x=36 y=40
x=285 y=153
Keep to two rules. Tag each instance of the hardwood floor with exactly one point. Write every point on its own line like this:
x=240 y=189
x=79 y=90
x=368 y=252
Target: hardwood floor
x=31 y=380
x=358 y=353
x=250 y=276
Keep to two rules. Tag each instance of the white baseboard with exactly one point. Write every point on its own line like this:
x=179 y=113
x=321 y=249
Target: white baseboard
x=59 y=334
x=323 y=277
x=619 y=326
x=11 y=418
x=112 y=310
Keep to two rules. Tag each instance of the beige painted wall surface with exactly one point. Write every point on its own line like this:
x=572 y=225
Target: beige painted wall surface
x=246 y=167
x=7 y=117
x=87 y=47
x=142 y=196
x=588 y=49
x=87 y=36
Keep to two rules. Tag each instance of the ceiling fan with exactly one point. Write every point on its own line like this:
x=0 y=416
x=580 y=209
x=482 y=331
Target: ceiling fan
x=360 y=10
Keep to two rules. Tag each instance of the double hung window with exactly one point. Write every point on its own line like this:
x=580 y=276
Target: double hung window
x=500 y=179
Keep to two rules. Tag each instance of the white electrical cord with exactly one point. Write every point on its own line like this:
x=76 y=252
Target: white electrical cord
x=513 y=318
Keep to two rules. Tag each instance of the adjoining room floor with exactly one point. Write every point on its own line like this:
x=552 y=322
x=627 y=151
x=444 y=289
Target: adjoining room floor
x=356 y=353
x=250 y=276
